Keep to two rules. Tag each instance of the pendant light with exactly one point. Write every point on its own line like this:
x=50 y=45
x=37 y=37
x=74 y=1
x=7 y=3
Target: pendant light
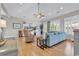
x=39 y=14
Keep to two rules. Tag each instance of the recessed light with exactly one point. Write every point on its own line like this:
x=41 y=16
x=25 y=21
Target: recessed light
x=61 y=8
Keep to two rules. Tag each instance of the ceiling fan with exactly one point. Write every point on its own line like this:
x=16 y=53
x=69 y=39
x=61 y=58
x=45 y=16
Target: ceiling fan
x=39 y=14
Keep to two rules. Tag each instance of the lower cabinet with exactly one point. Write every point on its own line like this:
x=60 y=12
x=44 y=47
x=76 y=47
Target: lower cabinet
x=27 y=35
x=55 y=37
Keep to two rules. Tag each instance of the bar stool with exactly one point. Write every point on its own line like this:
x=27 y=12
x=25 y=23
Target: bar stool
x=41 y=42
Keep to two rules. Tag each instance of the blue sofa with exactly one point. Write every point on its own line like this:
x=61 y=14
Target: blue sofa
x=55 y=37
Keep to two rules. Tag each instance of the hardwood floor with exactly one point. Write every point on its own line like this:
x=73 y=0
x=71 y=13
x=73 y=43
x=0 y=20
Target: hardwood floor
x=9 y=48
x=31 y=49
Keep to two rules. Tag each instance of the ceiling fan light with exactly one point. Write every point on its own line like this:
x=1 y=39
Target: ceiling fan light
x=39 y=14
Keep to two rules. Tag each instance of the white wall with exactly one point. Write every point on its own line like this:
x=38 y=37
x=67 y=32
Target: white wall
x=9 y=30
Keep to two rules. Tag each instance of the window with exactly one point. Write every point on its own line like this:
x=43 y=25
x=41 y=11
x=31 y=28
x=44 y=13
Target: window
x=71 y=24
x=55 y=25
x=45 y=27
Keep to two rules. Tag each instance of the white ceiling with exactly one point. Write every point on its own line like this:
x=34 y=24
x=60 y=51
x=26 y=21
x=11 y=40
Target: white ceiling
x=26 y=10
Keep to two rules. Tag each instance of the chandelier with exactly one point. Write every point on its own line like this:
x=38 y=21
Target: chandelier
x=39 y=14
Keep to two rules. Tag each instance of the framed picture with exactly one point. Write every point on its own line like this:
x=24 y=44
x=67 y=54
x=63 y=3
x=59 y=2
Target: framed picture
x=16 y=25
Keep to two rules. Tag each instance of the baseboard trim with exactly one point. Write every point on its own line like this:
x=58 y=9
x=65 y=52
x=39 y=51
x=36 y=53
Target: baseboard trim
x=10 y=37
